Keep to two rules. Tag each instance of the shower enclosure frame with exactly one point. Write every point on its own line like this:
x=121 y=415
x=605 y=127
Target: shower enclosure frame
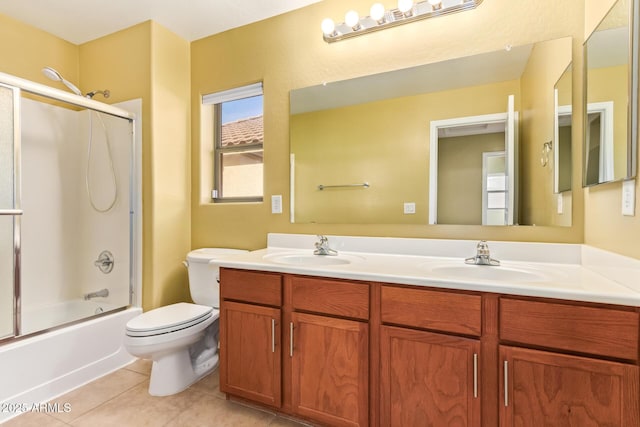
x=18 y=85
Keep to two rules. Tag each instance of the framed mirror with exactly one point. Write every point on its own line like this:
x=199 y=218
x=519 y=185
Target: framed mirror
x=377 y=130
x=611 y=86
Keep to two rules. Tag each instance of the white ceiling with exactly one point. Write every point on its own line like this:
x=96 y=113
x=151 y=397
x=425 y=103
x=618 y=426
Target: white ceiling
x=80 y=21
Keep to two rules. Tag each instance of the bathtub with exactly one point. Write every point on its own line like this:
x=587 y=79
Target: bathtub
x=51 y=315
x=39 y=368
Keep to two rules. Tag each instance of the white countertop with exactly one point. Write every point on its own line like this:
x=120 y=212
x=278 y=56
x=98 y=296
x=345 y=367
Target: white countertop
x=563 y=271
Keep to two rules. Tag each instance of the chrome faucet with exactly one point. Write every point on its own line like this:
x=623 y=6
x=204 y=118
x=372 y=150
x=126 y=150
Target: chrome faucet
x=483 y=257
x=101 y=293
x=322 y=247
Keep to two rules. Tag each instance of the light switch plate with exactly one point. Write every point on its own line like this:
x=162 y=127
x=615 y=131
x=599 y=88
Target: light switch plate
x=629 y=197
x=276 y=204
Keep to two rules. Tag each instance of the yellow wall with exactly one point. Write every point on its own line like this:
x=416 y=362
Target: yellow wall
x=287 y=52
x=25 y=51
x=170 y=166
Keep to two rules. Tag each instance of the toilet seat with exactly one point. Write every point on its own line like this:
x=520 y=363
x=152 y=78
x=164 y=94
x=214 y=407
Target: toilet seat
x=168 y=319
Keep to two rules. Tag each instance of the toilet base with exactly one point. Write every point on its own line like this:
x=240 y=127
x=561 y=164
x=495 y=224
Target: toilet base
x=173 y=373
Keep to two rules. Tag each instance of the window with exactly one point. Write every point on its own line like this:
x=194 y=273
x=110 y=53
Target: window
x=238 y=138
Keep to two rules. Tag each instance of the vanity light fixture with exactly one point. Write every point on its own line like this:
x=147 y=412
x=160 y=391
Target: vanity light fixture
x=379 y=18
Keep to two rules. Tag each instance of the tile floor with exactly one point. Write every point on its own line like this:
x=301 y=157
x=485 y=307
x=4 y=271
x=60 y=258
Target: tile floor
x=121 y=399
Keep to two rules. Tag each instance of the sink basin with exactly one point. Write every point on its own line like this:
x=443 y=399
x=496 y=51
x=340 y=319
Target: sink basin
x=312 y=260
x=486 y=273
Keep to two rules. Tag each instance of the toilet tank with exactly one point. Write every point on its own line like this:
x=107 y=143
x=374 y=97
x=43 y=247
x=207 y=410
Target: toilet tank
x=203 y=279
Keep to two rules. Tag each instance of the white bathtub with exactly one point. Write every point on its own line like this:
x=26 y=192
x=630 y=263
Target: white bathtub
x=37 y=369
x=51 y=315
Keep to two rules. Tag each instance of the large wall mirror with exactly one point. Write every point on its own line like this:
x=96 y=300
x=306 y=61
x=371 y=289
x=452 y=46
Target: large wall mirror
x=454 y=142
x=610 y=146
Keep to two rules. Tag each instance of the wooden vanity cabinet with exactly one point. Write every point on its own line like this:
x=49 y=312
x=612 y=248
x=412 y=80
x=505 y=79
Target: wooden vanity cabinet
x=250 y=352
x=348 y=353
x=298 y=344
x=329 y=350
x=568 y=364
x=250 y=336
x=543 y=388
x=429 y=377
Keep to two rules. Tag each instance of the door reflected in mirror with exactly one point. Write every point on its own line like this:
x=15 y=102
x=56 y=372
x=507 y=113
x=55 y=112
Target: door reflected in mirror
x=473 y=167
x=610 y=100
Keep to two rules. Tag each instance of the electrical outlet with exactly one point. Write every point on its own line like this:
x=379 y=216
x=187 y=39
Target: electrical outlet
x=629 y=197
x=276 y=204
x=409 y=208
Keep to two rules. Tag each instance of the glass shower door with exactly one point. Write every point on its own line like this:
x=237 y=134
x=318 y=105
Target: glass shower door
x=9 y=209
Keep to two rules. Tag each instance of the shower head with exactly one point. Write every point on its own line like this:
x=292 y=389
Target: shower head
x=57 y=77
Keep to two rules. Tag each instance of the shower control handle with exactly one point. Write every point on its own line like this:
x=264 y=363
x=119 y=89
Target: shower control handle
x=105 y=262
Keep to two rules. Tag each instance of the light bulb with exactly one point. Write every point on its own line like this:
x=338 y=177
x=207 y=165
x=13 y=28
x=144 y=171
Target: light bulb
x=405 y=6
x=435 y=4
x=352 y=19
x=377 y=12
x=328 y=26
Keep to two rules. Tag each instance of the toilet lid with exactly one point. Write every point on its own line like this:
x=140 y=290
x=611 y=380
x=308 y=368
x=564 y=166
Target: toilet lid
x=168 y=319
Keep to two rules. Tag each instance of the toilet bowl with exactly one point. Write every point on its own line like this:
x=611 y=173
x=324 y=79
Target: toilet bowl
x=181 y=338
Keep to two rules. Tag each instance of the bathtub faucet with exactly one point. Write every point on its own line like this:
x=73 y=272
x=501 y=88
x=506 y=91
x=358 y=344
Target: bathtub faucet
x=101 y=293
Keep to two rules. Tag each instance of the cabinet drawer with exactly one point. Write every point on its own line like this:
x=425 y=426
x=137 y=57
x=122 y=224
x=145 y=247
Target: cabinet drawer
x=592 y=330
x=336 y=297
x=251 y=286
x=435 y=310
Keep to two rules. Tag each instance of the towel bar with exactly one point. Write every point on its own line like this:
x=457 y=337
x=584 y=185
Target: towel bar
x=364 y=184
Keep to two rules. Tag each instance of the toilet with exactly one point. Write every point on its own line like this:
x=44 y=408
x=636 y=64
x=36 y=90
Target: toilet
x=182 y=338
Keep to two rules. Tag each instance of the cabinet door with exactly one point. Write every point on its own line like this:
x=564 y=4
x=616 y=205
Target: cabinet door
x=250 y=353
x=549 y=389
x=428 y=379
x=330 y=369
